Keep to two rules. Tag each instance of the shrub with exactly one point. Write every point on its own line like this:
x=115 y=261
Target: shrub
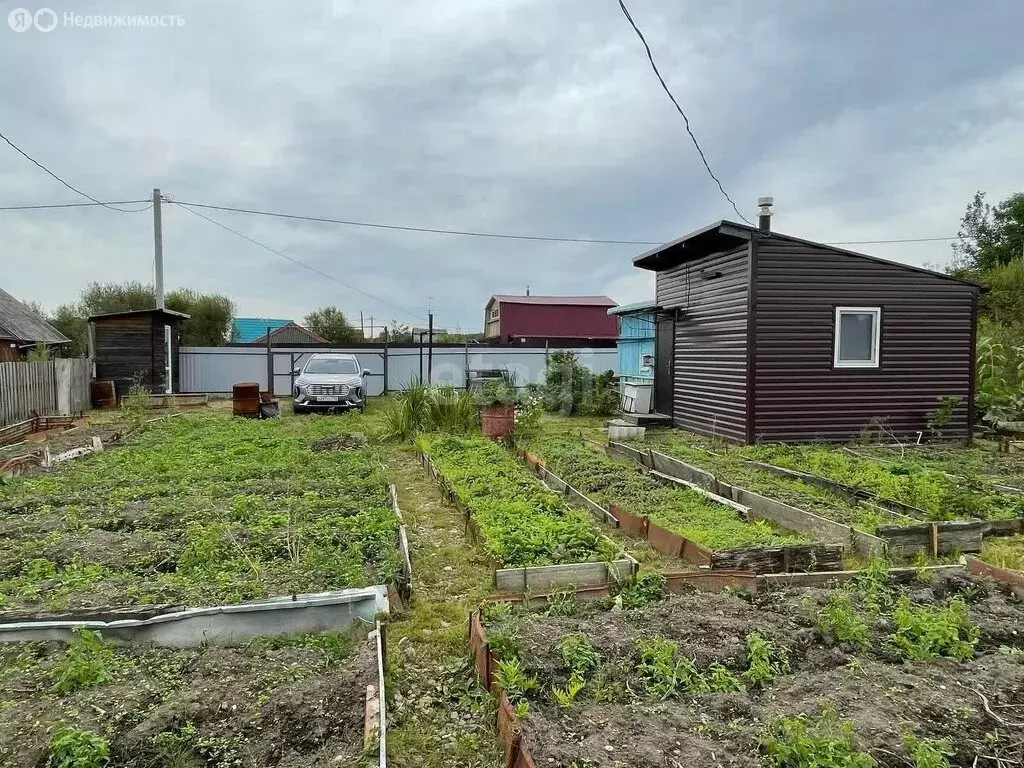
x=424 y=409
x=570 y=389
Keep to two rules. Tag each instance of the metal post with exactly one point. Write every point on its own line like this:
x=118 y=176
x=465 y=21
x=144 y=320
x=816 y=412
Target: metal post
x=430 y=348
x=421 y=357
x=158 y=250
x=385 y=360
x=270 y=365
x=467 y=366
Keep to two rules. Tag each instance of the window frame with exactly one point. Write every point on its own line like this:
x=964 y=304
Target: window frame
x=494 y=314
x=876 y=338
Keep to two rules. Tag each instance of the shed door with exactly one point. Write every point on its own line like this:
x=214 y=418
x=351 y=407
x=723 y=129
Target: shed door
x=663 y=385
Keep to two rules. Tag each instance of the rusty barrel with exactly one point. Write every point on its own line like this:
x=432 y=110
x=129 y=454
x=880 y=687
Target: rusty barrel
x=245 y=399
x=498 y=420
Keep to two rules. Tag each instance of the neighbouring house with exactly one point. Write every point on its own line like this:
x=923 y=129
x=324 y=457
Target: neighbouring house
x=21 y=330
x=765 y=336
x=636 y=354
x=138 y=347
x=550 y=319
x=289 y=333
x=246 y=330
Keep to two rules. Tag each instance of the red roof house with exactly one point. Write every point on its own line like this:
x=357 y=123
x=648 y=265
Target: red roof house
x=558 y=319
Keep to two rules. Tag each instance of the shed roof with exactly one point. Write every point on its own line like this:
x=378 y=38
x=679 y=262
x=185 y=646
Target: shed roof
x=169 y=315
x=563 y=301
x=245 y=330
x=640 y=307
x=725 y=235
x=292 y=333
x=21 y=324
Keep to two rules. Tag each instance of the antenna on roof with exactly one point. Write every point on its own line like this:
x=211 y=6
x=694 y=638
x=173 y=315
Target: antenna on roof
x=527 y=290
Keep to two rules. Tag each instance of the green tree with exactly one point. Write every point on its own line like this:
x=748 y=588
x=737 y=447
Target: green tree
x=330 y=323
x=71 y=320
x=399 y=333
x=990 y=236
x=209 y=323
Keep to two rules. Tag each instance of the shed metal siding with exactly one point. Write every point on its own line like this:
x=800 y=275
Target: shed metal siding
x=925 y=347
x=562 y=321
x=710 y=350
x=636 y=339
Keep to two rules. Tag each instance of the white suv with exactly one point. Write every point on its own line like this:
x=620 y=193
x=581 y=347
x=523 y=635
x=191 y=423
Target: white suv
x=329 y=381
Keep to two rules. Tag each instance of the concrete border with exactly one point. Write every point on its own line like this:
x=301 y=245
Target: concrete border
x=222 y=624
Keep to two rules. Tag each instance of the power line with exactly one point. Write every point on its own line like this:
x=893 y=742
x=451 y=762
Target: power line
x=903 y=240
x=77 y=191
x=71 y=205
x=679 y=109
x=429 y=230
x=185 y=206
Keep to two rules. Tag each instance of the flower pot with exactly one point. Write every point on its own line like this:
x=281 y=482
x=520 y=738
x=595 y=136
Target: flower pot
x=498 y=421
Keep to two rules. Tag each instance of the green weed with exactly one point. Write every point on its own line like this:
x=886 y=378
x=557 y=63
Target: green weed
x=924 y=633
x=926 y=753
x=514 y=680
x=567 y=696
x=75 y=748
x=838 y=619
x=87 y=662
x=579 y=656
x=798 y=742
x=663 y=672
x=643 y=589
x=721 y=680
x=764 y=662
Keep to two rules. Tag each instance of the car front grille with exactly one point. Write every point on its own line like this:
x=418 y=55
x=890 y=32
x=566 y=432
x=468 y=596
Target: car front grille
x=328 y=389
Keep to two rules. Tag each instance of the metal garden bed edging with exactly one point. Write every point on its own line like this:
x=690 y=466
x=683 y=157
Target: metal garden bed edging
x=509 y=727
x=405 y=573
x=536 y=577
x=758 y=559
x=222 y=624
x=1012 y=579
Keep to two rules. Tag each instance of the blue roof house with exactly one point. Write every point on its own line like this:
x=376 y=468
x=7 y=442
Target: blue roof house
x=245 y=330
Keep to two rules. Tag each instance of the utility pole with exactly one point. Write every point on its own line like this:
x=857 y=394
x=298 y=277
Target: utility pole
x=362 y=328
x=158 y=250
x=371 y=327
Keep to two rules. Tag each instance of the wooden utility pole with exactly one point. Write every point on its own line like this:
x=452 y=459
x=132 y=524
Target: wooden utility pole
x=430 y=348
x=158 y=250
x=362 y=328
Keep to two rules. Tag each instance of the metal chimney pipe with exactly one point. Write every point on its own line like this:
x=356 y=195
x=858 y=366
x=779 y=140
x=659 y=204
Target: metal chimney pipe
x=764 y=215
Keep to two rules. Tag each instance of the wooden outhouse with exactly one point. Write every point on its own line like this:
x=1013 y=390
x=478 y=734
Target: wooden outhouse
x=140 y=346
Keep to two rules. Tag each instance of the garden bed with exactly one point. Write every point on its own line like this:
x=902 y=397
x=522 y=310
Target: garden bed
x=684 y=521
x=296 y=701
x=924 y=673
x=870 y=517
x=199 y=510
x=981 y=463
x=534 y=539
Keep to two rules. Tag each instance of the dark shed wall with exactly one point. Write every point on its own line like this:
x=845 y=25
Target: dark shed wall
x=710 y=350
x=925 y=346
x=122 y=350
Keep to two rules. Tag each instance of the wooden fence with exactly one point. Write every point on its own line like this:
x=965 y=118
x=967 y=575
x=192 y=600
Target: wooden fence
x=49 y=388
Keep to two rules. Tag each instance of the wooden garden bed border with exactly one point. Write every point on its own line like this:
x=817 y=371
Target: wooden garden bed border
x=13 y=433
x=675 y=545
x=404 y=580
x=537 y=577
x=938 y=537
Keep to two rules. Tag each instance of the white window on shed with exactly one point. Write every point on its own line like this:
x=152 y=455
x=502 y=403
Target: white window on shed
x=857 y=336
x=494 y=312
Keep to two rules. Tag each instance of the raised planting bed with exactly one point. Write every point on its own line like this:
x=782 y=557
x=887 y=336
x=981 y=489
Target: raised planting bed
x=309 y=700
x=681 y=520
x=200 y=510
x=903 y=530
x=874 y=673
x=16 y=433
x=906 y=487
x=535 y=540
x=979 y=464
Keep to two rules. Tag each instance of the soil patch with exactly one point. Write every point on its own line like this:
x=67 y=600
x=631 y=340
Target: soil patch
x=351 y=442
x=618 y=720
x=283 y=702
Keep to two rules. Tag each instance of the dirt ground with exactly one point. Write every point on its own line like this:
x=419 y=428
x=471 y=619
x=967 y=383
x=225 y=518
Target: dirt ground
x=299 y=705
x=882 y=695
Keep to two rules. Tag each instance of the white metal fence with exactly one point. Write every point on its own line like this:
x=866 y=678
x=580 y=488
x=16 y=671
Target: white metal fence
x=53 y=387
x=217 y=369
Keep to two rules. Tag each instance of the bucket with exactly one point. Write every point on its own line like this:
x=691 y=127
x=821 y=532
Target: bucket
x=498 y=420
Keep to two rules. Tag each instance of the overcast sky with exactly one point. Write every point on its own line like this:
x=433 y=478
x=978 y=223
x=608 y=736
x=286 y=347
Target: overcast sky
x=866 y=120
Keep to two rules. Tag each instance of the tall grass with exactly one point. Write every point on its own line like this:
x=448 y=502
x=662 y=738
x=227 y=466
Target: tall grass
x=429 y=409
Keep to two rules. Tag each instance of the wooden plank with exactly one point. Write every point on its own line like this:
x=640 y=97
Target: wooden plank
x=839 y=577
x=950 y=536
x=710 y=581
x=1010 y=527
x=623 y=451
x=571 y=574
x=744 y=511
x=680 y=470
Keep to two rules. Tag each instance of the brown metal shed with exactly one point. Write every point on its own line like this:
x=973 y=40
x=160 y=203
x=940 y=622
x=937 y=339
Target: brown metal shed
x=777 y=338
x=132 y=346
